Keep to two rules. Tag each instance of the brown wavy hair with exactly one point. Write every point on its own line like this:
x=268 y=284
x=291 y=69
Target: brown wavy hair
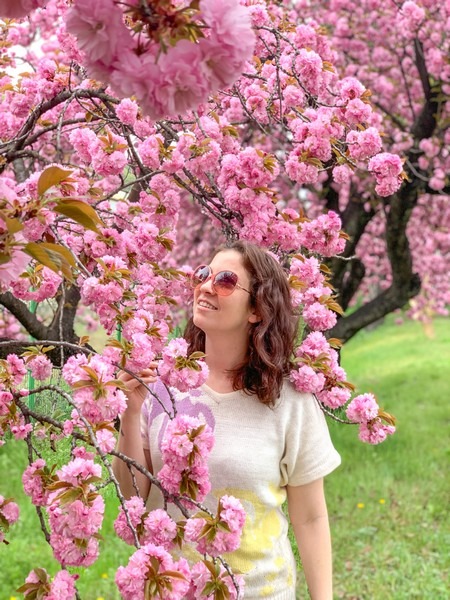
x=271 y=341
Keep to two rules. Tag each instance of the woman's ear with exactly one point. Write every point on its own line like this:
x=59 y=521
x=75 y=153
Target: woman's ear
x=254 y=318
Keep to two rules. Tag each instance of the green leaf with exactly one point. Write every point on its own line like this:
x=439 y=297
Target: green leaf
x=41 y=575
x=93 y=479
x=174 y=575
x=211 y=567
x=209 y=588
x=69 y=496
x=82 y=384
x=81 y=212
x=4 y=258
x=55 y=257
x=12 y=225
x=50 y=177
x=197 y=355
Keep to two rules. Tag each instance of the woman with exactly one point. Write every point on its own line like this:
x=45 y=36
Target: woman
x=271 y=442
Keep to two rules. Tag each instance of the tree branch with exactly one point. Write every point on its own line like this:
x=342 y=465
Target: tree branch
x=19 y=309
x=425 y=123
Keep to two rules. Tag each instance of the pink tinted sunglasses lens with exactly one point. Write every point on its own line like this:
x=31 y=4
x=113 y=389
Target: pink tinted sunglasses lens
x=225 y=282
x=200 y=275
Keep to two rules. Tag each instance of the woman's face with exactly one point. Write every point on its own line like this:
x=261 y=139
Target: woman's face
x=224 y=314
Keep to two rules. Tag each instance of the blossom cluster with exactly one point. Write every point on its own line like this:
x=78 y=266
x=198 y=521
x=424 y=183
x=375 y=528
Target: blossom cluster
x=218 y=535
x=319 y=371
x=310 y=290
x=207 y=577
x=152 y=567
x=155 y=527
x=179 y=370
x=364 y=409
x=185 y=448
x=152 y=563
x=9 y=513
x=12 y=375
x=17 y=9
x=166 y=78
x=11 y=419
x=36 y=479
x=39 y=585
x=95 y=393
x=75 y=512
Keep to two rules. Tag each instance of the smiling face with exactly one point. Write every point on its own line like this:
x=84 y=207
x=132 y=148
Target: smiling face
x=224 y=314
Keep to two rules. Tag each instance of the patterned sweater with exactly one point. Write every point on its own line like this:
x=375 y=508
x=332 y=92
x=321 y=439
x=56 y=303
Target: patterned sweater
x=258 y=450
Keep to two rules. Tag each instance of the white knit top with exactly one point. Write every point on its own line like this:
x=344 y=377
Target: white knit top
x=258 y=451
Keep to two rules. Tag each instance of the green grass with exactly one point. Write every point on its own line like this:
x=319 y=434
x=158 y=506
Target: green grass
x=387 y=503
x=28 y=549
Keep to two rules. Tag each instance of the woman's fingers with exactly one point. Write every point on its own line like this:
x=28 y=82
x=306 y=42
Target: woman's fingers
x=147 y=376
x=151 y=371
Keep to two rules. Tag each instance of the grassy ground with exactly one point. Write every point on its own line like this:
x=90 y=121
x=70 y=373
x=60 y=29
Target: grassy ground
x=388 y=503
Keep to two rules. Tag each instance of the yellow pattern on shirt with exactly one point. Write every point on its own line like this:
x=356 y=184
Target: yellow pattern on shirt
x=261 y=527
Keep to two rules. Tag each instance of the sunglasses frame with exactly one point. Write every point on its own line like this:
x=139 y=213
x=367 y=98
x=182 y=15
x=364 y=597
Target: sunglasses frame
x=213 y=276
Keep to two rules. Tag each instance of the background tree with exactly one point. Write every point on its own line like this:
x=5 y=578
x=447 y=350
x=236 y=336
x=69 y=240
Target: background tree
x=124 y=126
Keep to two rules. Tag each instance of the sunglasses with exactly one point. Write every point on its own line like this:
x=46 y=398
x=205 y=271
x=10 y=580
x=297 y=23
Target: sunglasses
x=223 y=283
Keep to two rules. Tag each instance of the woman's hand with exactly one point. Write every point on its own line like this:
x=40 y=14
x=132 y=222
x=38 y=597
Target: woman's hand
x=135 y=391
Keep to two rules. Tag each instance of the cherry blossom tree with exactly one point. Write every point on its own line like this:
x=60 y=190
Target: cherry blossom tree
x=398 y=50
x=128 y=131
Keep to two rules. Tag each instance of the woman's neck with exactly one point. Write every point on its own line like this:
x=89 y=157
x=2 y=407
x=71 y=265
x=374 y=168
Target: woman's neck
x=222 y=356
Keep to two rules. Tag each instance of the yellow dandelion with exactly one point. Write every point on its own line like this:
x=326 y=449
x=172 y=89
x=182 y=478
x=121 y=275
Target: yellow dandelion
x=382 y=501
x=104 y=575
x=360 y=505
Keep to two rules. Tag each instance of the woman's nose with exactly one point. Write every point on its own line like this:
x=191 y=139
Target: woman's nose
x=207 y=286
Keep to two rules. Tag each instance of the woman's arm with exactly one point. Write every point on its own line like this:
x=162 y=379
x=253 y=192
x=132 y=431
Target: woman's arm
x=129 y=441
x=309 y=517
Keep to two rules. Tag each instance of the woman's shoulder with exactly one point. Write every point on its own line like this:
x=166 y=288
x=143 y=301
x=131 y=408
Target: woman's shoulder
x=289 y=394
x=295 y=403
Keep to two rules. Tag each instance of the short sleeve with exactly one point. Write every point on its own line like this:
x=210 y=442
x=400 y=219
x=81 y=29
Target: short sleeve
x=309 y=453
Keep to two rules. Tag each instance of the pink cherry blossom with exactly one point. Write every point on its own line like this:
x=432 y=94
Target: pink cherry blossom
x=33 y=483
x=200 y=576
x=387 y=169
x=177 y=370
x=17 y=9
x=72 y=552
x=362 y=408
x=306 y=379
x=375 y=432
x=41 y=367
x=15 y=368
x=334 y=397
x=99 y=29
x=127 y=111
x=131 y=579
x=62 y=586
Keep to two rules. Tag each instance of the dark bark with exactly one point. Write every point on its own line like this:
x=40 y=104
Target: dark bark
x=355 y=219
x=350 y=286
x=25 y=317
x=405 y=283
x=60 y=329
x=398 y=208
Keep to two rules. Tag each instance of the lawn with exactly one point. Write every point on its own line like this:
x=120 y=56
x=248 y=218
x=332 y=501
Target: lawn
x=388 y=504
